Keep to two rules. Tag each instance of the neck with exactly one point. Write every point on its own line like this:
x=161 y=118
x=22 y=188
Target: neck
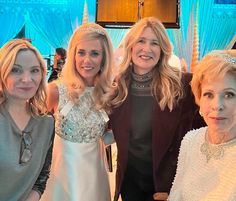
x=219 y=137
x=141 y=84
x=17 y=108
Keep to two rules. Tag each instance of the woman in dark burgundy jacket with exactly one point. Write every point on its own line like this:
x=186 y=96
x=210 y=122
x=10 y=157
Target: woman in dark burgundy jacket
x=154 y=108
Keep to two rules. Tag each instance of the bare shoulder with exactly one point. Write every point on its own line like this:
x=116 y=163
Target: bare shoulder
x=53 y=96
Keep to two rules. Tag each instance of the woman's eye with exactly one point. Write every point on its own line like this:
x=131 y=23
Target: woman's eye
x=94 y=54
x=155 y=43
x=208 y=95
x=229 y=95
x=35 y=70
x=141 y=41
x=16 y=70
x=81 y=53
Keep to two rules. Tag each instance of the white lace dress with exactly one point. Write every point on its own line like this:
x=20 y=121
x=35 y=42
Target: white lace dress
x=78 y=171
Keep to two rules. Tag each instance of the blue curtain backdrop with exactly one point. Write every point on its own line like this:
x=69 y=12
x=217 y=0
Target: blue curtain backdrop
x=50 y=24
x=11 y=22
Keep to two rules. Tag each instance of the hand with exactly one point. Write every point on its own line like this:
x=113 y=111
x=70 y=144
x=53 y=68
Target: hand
x=33 y=196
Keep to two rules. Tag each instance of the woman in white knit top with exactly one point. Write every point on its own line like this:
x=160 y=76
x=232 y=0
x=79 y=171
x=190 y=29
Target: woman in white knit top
x=207 y=161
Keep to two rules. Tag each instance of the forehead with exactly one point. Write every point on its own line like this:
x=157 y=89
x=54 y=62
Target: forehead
x=148 y=33
x=26 y=56
x=220 y=83
x=93 y=44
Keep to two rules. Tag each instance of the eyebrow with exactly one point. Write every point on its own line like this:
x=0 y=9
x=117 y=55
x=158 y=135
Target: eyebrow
x=156 y=40
x=230 y=88
x=226 y=89
x=90 y=50
x=18 y=65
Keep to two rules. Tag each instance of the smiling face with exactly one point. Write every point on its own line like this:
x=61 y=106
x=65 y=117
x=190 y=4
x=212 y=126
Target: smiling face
x=89 y=55
x=146 y=52
x=25 y=76
x=218 y=103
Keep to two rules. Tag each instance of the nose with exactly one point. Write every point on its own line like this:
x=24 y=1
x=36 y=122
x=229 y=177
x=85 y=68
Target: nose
x=87 y=57
x=26 y=77
x=146 y=47
x=217 y=104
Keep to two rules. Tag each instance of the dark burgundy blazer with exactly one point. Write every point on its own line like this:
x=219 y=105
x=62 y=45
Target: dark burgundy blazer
x=168 y=129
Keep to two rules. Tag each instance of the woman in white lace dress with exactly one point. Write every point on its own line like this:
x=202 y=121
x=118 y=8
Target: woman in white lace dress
x=78 y=101
x=207 y=160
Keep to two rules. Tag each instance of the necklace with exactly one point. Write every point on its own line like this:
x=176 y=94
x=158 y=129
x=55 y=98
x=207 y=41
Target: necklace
x=215 y=151
x=212 y=151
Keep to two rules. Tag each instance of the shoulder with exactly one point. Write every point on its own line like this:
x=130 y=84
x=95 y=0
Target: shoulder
x=52 y=96
x=46 y=123
x=186 y=77
x=188 y=95
x=47 y=119
x=194 y=135
x=52 y=88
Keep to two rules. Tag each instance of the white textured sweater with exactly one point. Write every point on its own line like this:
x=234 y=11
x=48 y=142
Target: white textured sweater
x=199 y=180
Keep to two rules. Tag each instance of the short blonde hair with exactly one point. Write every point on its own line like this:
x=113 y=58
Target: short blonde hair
x=72 y=78
x=215 y=64
x=166 y=85
x=8 y=55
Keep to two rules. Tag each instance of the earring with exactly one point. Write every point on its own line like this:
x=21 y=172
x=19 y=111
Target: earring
x=200 y=113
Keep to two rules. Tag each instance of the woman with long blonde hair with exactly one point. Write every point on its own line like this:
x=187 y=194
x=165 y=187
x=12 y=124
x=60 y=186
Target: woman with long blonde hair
x=153 y=109
x=79 y=102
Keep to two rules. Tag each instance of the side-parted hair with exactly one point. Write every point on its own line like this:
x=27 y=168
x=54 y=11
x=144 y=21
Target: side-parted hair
x=8 y=55
x=103 y=80
x=166 y=84
x=215 y=64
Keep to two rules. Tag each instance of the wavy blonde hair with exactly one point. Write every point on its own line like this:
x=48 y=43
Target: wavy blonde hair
x=8 y=55
x=215 y=64
x=167 y=86
x=103 y=81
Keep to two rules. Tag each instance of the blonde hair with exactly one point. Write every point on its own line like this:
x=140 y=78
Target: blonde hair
x=166 y=85
x=8 y=55
x=215 y=64
x=103 y=80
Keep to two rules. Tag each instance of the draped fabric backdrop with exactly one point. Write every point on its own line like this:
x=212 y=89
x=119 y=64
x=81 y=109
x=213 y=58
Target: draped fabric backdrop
x=50 y=23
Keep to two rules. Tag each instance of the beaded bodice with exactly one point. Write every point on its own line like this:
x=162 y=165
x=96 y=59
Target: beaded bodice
x=83 y=123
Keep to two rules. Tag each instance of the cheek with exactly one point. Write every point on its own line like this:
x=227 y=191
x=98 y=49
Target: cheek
x=136 y=49
x=99 y=61
x=234 y=112
x=134 y=55
x=39 y=79
x=77 y=62
x=204 y=107
x=157 y=53
x=9 y=83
